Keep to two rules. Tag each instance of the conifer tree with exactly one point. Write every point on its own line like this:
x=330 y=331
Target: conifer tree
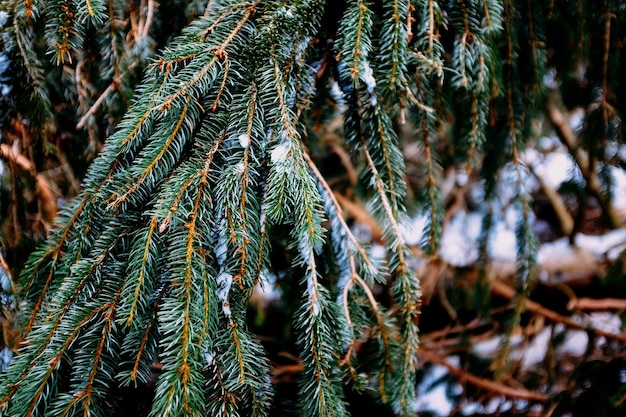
x=217 y=180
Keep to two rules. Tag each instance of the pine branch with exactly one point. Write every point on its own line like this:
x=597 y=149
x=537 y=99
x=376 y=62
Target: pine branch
x=218 y=180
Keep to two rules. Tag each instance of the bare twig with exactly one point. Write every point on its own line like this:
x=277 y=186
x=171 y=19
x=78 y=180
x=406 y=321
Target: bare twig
x=586 y=303
x=45 y=195
x=486 y=384
x=568 y=138
x=94 y=108
x=360 y=214
x=344 y=157
x=505 y=291
x=566 y=222
x=149 y=17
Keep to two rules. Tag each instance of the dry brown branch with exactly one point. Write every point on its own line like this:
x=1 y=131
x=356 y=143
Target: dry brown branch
x=436 y=335
x=295 y=368
x=568 y=138
x=45 y=195
x=566 y=222
x=431 y=271
x=343 y=156
x=94 y=108
x=505 y=291
x=586 y=303
x=18 y=159
x=149 y=17
x=483 y=383
x=10 y=336
x=360 y=215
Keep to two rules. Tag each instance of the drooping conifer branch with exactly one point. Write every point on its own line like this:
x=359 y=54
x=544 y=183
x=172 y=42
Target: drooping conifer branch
x=526 y=242
x=215 y=183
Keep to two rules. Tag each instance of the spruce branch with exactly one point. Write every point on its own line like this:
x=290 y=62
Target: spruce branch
x=217 y=178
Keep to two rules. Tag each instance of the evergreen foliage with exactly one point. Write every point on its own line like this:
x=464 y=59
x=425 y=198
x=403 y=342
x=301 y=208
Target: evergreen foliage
x=216 y=182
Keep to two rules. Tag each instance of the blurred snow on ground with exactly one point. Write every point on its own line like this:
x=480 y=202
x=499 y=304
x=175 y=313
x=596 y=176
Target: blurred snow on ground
x=608 y=245
x=459 y=243
x=560 y=261
x=603 y=320
x=4 y=17
x=433 y=392
x=574 y=342
x=619 y=187
x=502 y=243
x=5 y=358
x=497 y=404
x=554 y=168
x=576 y=119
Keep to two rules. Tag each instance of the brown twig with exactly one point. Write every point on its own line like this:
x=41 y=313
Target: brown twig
x=505 y=291
x=344 y=157
x=586 y=303
x=149 y=17
x=45 y=195
x=94 y=108
x=486 y=384
x=568 y=138
x=360 y=214
x=566 y=222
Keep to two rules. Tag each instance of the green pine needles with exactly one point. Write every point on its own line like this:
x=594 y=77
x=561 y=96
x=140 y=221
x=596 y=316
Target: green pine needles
x=158 y=257
x=215 y=183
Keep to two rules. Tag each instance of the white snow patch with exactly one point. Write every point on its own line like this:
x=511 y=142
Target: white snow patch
x=471 y=408
x=531 y=157
x=434 y=398
x=547 y=143
x=486 y=348
x=502 y=243
x=558 y=258
x=497 y=404
x=412 y=232
x=576 y=119
x=367 y=75
x=575 y=343
x=244 y=140
x=555 y=168
x=267 y=288
x=459 y=241
x=602 y=245
x=461 y=178
x=558 y=249
x=5 y=357
x=550 y=80
x=280 y=152
x=535 y=352
x=224 y=282
x=611 y=149
x=619 y=187
x=337 y=94
x=606 y=321
x=286 y=12
x=378 y=251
